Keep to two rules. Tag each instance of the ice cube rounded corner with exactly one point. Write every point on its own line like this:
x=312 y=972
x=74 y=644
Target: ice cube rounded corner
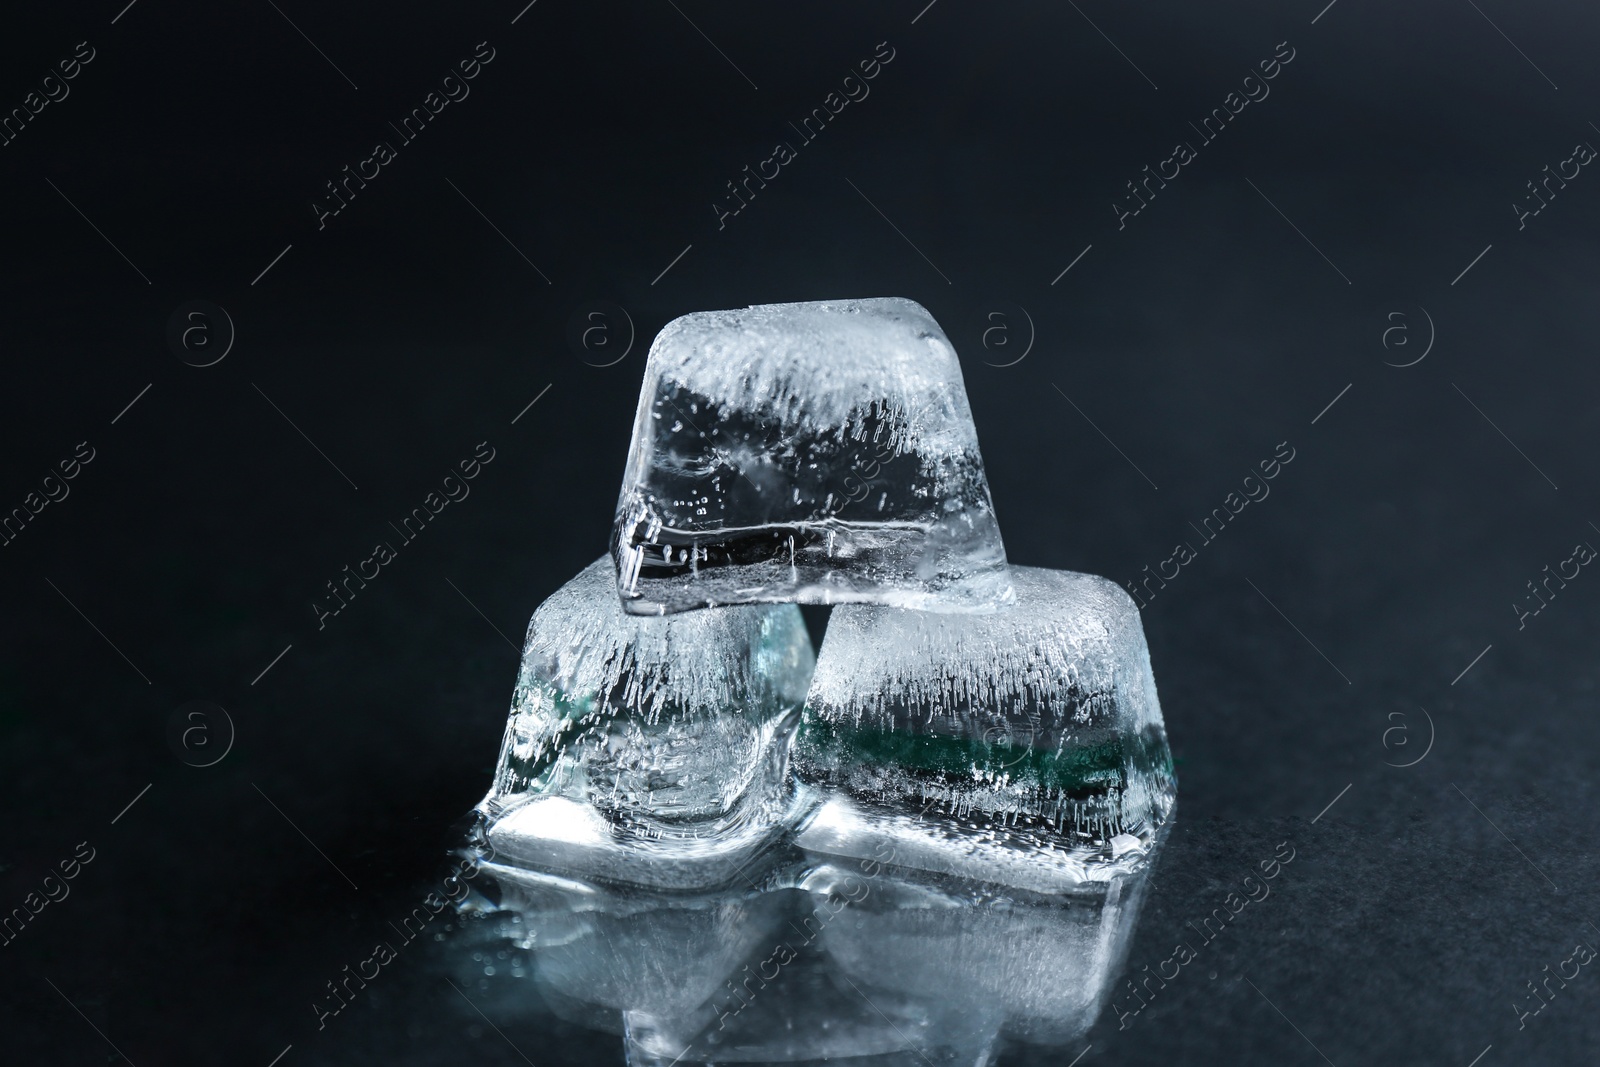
x=819 y=453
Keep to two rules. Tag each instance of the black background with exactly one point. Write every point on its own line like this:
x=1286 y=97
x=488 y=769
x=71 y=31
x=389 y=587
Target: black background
x=1199 y=336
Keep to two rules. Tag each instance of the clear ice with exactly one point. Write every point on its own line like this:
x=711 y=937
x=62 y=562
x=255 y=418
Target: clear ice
x=922 y=845
x=818 y=453
x=646 y=749
x=1024 y=746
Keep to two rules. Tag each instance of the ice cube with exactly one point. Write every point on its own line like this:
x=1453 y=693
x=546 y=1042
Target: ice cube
x=1024 y=746
x=647 y=750
x=814 y=453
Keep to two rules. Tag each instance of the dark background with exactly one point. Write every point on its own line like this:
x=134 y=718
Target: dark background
x=1323 y=634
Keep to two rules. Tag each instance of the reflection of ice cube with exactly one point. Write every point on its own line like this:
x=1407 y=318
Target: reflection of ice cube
x=1024 y=746
x=598 y=952
x=792 y=1004
x=647 y=750
x=813 y=960
x=1044 y=963
x=815 y=453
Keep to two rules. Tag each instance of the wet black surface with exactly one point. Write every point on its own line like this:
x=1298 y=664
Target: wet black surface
x=1377 y=595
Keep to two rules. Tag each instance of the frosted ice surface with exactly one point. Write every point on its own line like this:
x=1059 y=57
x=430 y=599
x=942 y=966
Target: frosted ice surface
x=1024 y=746
x=813 y=453
x=644 y=749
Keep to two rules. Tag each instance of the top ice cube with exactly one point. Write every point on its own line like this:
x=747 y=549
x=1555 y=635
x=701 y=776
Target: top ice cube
x=819 y=453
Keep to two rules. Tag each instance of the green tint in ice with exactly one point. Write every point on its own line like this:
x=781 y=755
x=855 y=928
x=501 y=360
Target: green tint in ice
x=968 y=742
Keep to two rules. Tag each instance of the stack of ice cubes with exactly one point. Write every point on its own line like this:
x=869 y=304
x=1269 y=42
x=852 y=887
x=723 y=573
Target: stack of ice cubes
x=927 y=837
x=963 y=717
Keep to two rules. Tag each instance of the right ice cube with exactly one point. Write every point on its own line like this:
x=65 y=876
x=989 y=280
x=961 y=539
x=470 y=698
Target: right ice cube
x=1024 y=747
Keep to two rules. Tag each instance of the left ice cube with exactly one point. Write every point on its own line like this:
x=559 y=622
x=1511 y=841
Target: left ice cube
x=647 y=750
